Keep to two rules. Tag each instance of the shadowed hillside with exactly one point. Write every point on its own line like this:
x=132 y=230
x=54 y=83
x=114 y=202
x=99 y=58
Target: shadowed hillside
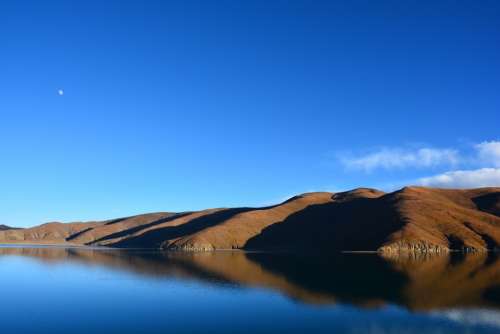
x=413 y=219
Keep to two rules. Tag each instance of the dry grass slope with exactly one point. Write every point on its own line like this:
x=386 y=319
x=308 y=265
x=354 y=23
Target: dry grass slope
x=413 y=219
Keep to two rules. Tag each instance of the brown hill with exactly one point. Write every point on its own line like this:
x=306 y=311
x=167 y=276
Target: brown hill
x=411 y=219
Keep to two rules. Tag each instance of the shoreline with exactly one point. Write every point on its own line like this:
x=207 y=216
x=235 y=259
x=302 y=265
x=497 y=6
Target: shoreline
x=402 y=253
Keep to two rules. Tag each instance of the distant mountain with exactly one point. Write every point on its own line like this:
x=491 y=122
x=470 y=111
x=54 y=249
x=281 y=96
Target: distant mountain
x=413 y=219
x=5 y=227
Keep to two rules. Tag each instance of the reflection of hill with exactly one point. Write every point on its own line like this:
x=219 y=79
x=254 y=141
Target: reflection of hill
x=350 y=278
x=420 y=284
x=213 y=267
x=449 y=281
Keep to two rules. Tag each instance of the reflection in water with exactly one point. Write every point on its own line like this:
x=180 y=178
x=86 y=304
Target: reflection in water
x=441 y=282
x=462 y=290
x=435 y=284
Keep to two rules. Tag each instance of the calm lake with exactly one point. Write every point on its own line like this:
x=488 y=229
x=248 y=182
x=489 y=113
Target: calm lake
x=72 y=290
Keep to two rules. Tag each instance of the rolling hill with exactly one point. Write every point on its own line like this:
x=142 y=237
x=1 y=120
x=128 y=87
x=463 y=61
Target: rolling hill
x=413 y=219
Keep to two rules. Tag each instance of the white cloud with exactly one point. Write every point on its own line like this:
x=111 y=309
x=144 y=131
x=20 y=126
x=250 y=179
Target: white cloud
x=484 y=177
x=390 y=158
x=479 y=164
x=489 y=153
x=487 y=156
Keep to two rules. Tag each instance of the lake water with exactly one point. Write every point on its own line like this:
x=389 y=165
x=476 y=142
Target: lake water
x=61 y=290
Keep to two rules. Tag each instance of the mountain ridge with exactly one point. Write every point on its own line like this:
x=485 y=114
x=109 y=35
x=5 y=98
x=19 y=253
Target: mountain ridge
x=412 y=219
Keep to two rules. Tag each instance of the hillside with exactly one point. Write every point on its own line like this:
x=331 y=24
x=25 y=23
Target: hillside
x=411 y=219
x=4 y=227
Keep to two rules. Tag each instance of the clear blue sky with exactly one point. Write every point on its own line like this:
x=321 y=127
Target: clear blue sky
x=177 y=105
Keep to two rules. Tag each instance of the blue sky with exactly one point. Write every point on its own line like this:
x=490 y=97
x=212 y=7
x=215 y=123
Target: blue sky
x=179 y=105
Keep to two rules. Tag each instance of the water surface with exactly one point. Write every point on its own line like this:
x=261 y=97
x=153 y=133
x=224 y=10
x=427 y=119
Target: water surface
x=73 y=290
